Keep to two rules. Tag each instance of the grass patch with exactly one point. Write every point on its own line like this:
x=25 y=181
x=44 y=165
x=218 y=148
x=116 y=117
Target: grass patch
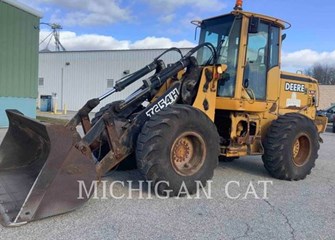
x=52 y=120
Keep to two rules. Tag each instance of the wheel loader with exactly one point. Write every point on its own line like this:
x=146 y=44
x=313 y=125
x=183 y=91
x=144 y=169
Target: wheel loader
x=226 y=98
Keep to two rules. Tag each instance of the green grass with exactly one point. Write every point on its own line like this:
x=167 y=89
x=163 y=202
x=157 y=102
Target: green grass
x=52 y=120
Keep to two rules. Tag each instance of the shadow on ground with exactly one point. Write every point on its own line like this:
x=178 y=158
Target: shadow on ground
x=250 y=165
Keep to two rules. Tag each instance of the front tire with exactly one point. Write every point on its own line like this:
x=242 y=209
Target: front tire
x=291 y=147
x=178 y=146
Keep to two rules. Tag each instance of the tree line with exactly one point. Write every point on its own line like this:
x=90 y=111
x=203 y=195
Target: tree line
x=324 y=73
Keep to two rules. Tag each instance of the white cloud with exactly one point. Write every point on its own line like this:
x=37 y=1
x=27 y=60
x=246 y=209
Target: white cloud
x=71 y=41
x=84 y=12
x=305 y=58
x=100 y=12
x=168 y=18
x=31 y=4
x=171 y=5
x=92 y=12
x=298 y=60
x=154 y=42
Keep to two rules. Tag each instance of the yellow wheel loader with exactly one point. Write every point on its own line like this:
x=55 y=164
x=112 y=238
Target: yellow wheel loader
x=226 y=97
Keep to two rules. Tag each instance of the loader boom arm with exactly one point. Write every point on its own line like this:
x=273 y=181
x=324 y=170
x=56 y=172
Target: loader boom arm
x=122 y=144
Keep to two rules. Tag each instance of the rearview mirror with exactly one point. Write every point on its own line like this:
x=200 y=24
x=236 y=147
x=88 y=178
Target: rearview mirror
x=283 y=37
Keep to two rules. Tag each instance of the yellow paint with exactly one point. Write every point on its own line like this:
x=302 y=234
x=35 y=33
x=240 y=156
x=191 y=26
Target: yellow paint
x=55 y=108
x=208 y=96
x=246 y=120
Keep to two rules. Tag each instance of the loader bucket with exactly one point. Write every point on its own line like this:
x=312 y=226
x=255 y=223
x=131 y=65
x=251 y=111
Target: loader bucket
x=39 y=171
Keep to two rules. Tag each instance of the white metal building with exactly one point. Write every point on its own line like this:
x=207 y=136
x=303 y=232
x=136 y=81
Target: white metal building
x=75 y=77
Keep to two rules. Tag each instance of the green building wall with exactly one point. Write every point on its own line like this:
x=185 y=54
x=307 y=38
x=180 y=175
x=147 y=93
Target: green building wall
x=19 y=40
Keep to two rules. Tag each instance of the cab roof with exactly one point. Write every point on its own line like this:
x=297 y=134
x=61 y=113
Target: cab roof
x=281 y=23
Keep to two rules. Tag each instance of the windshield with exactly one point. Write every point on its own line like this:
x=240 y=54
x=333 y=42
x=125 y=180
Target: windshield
x=224 y=33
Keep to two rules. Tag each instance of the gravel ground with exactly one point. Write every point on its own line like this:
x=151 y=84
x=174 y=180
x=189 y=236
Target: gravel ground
x=293 y=210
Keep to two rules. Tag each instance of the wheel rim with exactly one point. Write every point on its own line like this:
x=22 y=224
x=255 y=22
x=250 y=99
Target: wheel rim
x=188 y=153
x=301 y=150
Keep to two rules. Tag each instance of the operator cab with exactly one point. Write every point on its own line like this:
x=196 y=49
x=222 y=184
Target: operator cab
x=247 y=43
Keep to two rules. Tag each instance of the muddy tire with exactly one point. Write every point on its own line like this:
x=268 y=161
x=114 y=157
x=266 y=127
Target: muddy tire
x=178 y=145
x=127 y=164
x=291 y=147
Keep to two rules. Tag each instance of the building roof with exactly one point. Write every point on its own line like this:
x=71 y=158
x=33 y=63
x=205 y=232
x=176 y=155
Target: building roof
x=111 y=50
x=23 y=7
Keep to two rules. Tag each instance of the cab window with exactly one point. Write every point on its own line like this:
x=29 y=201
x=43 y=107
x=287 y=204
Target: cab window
x=262 y=55
x=224 y=33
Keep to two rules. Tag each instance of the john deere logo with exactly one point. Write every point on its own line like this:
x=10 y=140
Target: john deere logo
x=294 y=87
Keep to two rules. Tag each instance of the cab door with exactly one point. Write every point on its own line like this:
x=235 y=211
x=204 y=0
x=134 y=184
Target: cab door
x=262 y=56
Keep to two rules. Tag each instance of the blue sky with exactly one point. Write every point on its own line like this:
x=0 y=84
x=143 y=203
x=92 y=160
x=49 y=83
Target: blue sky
x=125 y=24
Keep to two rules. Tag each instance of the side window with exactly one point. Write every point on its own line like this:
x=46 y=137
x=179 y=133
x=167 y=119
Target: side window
x=256 y=62
x=212 y=38
x=41 y=82
x=206 y=54
x=274 y=47
x=229 y=56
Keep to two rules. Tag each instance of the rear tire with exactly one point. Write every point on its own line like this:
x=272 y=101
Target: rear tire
x=291 y=147
x=178 y=145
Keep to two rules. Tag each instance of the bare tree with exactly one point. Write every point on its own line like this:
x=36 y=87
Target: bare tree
x=324 y=73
